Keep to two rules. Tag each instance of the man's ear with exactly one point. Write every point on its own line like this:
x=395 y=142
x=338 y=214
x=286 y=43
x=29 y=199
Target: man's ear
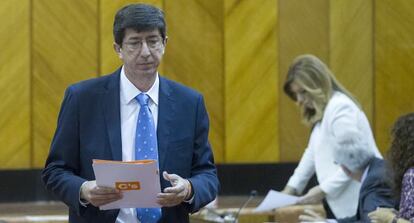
x=118 y=49
x=164 y=43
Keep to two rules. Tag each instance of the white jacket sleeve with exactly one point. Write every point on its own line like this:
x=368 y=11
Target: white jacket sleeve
x=303 y=172
x=342 y=120
x=334 y=185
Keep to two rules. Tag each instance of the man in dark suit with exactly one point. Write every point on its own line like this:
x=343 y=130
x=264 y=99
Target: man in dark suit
x=99 y=119
x=360 y=163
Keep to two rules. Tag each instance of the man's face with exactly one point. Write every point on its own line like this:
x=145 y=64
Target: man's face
x=141 y=52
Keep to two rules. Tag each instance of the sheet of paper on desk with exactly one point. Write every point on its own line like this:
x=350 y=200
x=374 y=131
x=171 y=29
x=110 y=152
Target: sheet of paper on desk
x=275 y=199
x=138 y=180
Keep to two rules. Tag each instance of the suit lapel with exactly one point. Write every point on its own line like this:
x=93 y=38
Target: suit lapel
x=166 y=113
x=111 y=104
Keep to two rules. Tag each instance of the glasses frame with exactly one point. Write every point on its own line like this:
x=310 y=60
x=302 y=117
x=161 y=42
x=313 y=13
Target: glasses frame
x=153 y=43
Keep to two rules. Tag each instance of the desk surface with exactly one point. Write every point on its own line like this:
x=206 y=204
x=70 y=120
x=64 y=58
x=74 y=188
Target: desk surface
x=286 y=214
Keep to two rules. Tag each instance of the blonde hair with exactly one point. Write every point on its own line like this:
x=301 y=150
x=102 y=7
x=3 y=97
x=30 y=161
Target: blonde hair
x=319 y=83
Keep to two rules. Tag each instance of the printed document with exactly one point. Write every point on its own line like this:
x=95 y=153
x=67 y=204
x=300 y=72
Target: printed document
x=138 y=180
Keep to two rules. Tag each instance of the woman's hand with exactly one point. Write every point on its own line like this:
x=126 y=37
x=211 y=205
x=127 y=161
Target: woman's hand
x=289 y=190
x=314 y=195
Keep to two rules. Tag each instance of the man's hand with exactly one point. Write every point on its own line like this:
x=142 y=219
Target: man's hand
x=311 y=216
x=289 y=190
x=384 y=215
x=98 y=196
x=314 y=195
x=172 y=196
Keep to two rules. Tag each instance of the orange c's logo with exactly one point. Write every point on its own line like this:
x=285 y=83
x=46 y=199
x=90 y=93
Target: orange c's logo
x=134 y=185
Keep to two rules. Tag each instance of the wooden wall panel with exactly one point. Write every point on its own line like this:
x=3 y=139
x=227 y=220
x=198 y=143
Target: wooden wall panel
x=64 y=51
x=194 y=56
x=394 y=56
x=251 y=70
x=15 y=84
x=235 y=52
x=351 y=48
x=108 y=59
x=303 y=28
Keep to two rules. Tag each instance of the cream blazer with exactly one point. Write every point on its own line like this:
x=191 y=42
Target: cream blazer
x=341 y=114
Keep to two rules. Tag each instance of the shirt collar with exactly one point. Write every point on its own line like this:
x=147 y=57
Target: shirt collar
x=129 y=91
x=364 y=175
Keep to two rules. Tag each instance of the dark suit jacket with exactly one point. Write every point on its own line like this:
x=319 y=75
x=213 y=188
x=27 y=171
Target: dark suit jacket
x=89 y=128
x=375 y=192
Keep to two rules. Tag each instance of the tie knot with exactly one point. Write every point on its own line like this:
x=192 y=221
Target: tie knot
x=142 y=99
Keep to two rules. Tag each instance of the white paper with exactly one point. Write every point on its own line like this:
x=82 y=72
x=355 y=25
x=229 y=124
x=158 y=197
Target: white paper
x=275 y=199
x=146 y=172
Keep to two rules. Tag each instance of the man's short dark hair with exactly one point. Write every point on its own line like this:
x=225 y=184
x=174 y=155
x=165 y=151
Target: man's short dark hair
x=140 y=17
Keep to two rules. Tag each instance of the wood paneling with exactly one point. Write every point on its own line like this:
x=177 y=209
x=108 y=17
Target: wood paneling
x=109 y=60
x=15 y=84
x=394 y=56
x=236 y=53
x=351 y=48
x=194 y=57
x=303 y=28
x=251 y=70
x=64 y=52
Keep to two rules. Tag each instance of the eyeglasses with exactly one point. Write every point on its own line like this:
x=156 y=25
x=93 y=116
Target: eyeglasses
x=153 y=43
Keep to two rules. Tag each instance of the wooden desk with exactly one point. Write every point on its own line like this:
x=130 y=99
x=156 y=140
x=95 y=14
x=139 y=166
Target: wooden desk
x=286 y=214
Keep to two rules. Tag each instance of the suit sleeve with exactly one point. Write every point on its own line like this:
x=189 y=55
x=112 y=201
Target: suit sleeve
x=203 y=172
x=62 y=165
x=378 y=197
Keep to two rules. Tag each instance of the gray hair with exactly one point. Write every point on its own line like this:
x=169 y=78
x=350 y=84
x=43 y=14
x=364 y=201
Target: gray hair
x=353 y=151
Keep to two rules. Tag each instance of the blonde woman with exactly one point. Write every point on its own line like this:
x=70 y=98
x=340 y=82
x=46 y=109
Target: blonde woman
x=331 y=112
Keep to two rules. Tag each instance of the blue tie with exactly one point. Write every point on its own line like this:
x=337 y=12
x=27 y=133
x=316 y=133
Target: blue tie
x=146 y=148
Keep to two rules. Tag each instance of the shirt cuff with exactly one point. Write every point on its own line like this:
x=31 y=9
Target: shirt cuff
x=190 y=201
x=297 y=184
x=83 y=202
x=328 y=189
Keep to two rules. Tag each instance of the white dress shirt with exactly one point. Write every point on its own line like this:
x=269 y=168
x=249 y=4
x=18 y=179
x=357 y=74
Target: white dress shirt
x=129 y=115
x=364 y=175
x=342 y=193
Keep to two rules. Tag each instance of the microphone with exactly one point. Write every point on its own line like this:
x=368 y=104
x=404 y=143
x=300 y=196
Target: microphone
x=253 y=194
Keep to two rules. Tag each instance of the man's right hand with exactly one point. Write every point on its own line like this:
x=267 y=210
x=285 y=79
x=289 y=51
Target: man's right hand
x=98 y=196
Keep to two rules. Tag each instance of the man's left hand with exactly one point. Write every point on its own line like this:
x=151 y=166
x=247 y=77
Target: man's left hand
x=382 y=215
x=179 y=191
x=314 y=195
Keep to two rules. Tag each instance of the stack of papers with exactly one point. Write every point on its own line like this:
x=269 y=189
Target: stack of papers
x=138 y=180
